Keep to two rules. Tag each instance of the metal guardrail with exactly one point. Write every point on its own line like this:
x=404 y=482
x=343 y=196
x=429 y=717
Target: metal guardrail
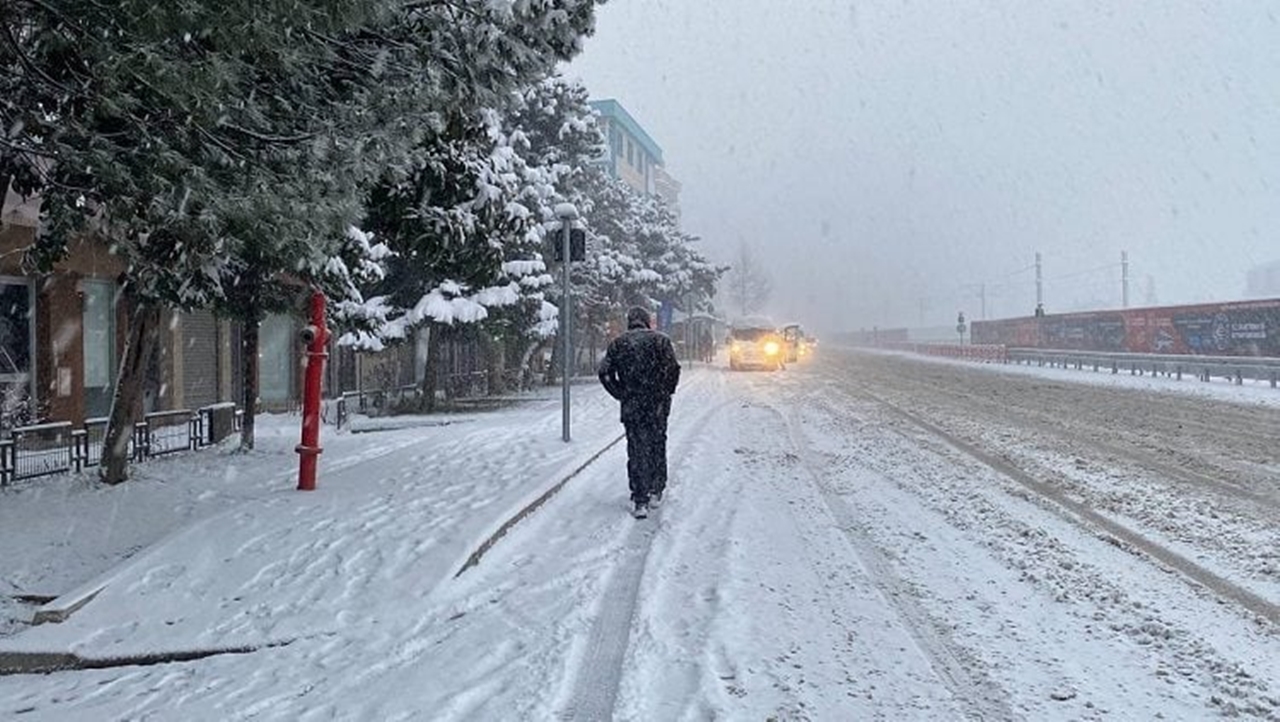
x=339 y=410
x=1204 y=368
x=167 y=432
x=38 y=450
x=55 y=448
x=88 y=443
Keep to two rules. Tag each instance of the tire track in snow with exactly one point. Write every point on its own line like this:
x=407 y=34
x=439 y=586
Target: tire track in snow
x=1218 y=473
x=1107 y=592
x=1127 y=457
x=1081 y=513
x=694 y=547
x=599 y=676
x=976 y=694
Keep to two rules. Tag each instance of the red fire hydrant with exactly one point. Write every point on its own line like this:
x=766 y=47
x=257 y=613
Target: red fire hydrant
x=316 y=336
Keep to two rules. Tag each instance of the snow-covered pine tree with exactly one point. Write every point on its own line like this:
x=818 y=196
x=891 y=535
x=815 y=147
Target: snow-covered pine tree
x=201 y=139
x=557 y=136
x=469 y=224
x=193 y=139
x=641 y=256
x=447 y=221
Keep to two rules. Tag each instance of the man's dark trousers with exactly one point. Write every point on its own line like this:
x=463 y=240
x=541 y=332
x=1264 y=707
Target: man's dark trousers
x=646 y=426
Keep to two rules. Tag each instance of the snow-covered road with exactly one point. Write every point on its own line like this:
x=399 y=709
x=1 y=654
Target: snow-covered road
x=860 y=537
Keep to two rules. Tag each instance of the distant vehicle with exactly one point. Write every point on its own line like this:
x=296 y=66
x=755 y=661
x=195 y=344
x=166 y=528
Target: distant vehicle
x=755 y=343
x=807 y=344
x=793 y=342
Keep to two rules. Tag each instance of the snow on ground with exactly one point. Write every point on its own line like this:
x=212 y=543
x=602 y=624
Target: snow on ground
x=817 y=558
x=1251 y=391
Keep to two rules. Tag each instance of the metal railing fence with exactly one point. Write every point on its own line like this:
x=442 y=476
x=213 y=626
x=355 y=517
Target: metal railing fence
x=1205 y=368
x=55 y=448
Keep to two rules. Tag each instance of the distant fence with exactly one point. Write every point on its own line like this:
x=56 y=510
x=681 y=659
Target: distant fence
x=338 y=411
x=463 y=385
x=61 y=447
x=1205 y=368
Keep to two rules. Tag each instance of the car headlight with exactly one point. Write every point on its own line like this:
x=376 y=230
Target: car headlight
x=736 y=347
x=771 y=348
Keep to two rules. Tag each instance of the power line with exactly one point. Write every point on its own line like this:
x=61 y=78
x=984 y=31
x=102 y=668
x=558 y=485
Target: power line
x=1086 y=272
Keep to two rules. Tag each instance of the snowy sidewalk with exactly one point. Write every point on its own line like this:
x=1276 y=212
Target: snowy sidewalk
x=385 y=527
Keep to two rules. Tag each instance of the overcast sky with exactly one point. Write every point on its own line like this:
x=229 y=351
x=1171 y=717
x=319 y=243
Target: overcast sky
x=887 y=157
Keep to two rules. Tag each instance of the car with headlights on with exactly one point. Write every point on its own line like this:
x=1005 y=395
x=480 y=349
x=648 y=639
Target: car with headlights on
x=755 y=344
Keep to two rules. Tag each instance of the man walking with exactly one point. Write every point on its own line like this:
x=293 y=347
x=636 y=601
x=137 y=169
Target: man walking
x=640 y=370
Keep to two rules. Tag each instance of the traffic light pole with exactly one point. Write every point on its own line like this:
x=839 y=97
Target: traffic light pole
x=566 y=213
x=567 y=345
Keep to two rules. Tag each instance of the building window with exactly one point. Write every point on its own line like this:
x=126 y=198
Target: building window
x=15 y=352
x=276 y=358
x=99 y=325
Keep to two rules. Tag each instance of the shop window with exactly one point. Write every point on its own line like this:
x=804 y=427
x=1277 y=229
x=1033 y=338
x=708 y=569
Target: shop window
x=277 y=357
x=16 y=304
x=98 y=324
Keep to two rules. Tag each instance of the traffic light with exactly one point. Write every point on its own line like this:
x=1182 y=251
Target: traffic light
x=577 y=245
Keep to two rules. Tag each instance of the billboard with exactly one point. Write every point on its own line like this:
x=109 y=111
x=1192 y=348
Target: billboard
x=1242 y=328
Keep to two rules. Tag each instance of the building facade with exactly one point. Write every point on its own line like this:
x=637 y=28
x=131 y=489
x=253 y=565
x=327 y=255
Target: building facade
x=668 y=189
x=17 y=305
x=63 y=333
x=60 y=332
x=631 y=155
x=63 y=336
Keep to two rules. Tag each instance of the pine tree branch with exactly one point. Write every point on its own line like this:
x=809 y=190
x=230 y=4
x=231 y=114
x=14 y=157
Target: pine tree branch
x=31 y=67
x=272 y=139
x=25 y=150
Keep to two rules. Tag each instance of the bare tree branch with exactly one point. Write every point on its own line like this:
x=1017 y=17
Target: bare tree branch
x=749 y=282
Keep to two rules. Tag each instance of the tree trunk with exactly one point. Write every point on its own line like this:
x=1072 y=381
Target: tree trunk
x=249 y=366
x=126 y=403
x=553 y=368
x=431 y=375
x=493 y=363
x=526 y=361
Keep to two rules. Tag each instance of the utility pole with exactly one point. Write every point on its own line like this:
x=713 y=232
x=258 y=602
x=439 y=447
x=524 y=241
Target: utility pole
x=983 y=293
x=1124 y=278
x=1039 y=282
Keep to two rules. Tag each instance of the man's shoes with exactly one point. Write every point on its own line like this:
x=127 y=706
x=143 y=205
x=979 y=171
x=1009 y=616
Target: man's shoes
x=655 y=499
x=641 y=511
